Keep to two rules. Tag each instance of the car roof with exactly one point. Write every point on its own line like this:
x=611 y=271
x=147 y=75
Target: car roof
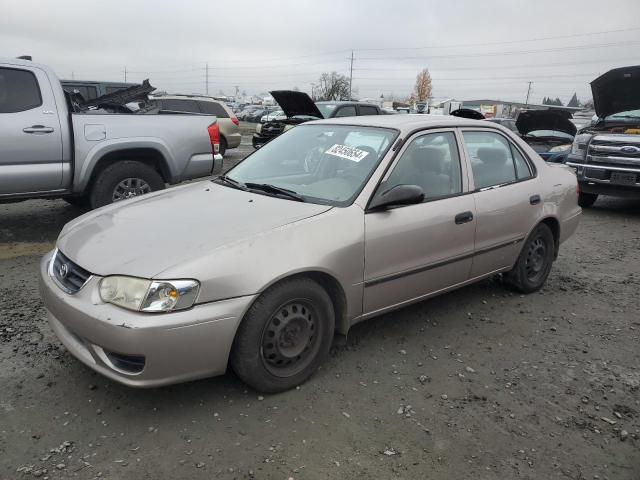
x=344 y=102
x=407 y=121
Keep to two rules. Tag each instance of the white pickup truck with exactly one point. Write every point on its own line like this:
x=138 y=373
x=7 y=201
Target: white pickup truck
x=50 y=148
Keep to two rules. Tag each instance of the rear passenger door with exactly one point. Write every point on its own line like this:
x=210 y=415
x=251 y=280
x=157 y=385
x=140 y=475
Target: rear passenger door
x=507 y=198
x=415 y=250
x=30 y=137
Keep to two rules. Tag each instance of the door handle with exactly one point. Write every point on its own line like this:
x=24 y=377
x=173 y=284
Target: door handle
x=38 y=129
x=463 y=217
x=534 y=199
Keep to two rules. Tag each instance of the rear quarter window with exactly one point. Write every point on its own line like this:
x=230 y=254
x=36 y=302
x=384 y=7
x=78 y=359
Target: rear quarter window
x=213 y=108
x=19 y=91
x=179 y=105
x=368 y=110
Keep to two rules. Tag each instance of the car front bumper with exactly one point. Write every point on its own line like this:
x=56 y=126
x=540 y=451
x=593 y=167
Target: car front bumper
x=597 y=179
x=137 y=349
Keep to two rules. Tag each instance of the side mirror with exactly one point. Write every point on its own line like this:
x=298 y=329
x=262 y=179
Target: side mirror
x=217 y=164
x=398 y=195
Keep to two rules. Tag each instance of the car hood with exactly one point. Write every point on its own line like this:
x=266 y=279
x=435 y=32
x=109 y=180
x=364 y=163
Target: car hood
x=144 y=236
x=616 y=91
x=532 y=120
x=296 y=103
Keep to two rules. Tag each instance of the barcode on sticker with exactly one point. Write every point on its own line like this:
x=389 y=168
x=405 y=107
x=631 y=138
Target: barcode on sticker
x=349 y=153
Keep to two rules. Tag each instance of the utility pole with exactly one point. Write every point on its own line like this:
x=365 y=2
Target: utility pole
x=528 y=92
x=206 y=86
x=125 y=74
x=73 y=76
x=351 y=75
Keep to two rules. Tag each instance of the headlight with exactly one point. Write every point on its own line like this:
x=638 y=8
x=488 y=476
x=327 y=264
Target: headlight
x=560 y=148
x=144 y=295
x=580 y=142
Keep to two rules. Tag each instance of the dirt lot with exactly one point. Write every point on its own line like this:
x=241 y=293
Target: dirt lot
x=477 y=384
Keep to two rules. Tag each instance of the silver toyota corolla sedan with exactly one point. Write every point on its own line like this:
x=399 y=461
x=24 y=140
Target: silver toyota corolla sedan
x=332 y=223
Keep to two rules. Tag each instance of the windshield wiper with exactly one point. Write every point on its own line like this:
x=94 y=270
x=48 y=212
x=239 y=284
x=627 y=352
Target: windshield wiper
x=266 y=187
x=231 y=181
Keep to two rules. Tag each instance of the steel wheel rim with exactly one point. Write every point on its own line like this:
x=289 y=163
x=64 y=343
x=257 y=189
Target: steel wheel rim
x=130 y=187
x=536 y=261
x=290 y=338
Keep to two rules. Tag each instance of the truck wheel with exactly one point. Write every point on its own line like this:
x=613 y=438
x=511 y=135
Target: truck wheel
x=223 y=146
x=585 y=200
x=285 y=336
x=122 y=180
x=534 y=263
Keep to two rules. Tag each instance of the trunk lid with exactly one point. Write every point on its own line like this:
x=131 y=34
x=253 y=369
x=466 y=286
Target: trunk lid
x=555 y=120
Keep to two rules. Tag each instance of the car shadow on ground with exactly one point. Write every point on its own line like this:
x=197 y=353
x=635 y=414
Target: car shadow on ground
x=393 y=328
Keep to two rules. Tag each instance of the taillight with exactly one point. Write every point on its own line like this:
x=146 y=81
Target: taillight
x=235 y=120
x=214 y=135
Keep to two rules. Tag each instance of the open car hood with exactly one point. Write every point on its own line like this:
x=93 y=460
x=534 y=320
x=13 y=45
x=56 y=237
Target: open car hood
x=616 y=91
x=467 y=113
x=557 y=120
x=296 y=103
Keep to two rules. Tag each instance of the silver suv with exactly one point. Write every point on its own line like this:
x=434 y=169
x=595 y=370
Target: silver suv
x=230 y=136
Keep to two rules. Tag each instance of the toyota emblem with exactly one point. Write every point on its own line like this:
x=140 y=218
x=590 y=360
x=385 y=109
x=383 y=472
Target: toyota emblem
x=63 y=270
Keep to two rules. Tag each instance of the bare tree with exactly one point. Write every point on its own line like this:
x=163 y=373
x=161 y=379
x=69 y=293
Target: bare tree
x=422 y=89
x=331 y=86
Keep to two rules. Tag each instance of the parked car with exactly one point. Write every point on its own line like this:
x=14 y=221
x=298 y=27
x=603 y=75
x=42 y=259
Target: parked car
x=247 y=110
x=299 y=108
x=54 y=145
x=257 y=115
x=229 y=124
x=334 y=222
x=90 y=89
x=606 y=155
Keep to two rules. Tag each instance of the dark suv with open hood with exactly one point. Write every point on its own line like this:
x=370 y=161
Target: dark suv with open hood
x=606 y=155
x=300 y=108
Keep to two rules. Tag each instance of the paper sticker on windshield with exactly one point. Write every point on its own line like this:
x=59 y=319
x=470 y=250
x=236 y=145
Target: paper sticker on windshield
x=349 y=153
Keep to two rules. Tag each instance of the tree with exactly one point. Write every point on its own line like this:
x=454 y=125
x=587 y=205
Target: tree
x=574 y=102
x=549 y=101
x=423 y=86
x=331 y=86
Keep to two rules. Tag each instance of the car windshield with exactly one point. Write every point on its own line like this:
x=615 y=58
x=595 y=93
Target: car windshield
x=633 y=114
x=322 y=163
x=326 y=109
x=550 y=133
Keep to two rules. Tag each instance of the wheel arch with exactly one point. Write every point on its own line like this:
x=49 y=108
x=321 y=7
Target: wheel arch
x=554 y=226
x=333 y=288
x=148 y=156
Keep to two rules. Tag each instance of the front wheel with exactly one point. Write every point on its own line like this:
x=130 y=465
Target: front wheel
x=285 y=336
x=123 y=180
x=534 y=263
x=585 y=200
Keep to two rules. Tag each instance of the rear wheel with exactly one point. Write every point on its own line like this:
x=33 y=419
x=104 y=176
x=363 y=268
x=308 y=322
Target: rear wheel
x=534 y=263
x=223 y=146
x=585 y=200
x=123 y=180
x=285 y=336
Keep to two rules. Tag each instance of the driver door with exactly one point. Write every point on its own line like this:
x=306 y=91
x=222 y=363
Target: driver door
x=413 y=251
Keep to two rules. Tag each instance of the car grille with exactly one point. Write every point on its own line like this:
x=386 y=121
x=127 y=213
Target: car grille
x=615 y=150
x=69 y=276
x=272 y=129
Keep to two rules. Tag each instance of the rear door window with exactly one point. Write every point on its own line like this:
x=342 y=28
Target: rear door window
x=348 y=111
x=180 y=105
x=213 y=108
x=19 y=91
x=368 y=110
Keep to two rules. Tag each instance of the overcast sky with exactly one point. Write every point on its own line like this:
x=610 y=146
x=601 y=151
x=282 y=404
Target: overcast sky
x=473 y=49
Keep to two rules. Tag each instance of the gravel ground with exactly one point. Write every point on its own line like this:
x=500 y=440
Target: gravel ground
x=480 y=383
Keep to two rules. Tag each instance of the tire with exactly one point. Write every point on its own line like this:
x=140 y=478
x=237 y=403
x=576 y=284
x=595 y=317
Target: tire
x=112 y=182
x=223 y=146
x=298 y=315
x=534 y=263
x=81 y=201
x=585 y=200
